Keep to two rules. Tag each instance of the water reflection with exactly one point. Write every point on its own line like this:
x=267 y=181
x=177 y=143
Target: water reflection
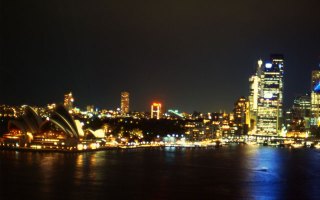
x=169 y=173
x=86 y=169
x=281 y=173
x=264 y=172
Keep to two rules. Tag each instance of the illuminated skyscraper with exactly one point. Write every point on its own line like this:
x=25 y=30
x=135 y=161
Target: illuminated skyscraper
x=270 y=102
x=255 y=90
x=156 y=110
x=315 y=98
x=124 y=102
x=68 y=101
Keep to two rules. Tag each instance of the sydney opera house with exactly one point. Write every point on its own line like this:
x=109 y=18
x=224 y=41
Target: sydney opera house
x=58 y=131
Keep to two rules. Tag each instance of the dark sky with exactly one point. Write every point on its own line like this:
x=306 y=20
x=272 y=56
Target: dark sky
x=190 y=55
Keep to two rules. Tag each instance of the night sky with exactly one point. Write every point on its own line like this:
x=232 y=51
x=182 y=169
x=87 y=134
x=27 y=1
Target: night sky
x=190 y=55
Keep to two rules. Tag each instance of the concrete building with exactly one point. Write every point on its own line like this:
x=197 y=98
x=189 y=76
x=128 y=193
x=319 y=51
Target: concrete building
x=241 y=113
x=315 y=98
x=270 y=101
x=125 y=102
x=254 y=94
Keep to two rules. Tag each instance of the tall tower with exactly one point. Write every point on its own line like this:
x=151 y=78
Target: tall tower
x=156 y=110
x=315 y=98
x=68 y=101
x=270 y=103
x=124 y=102
x=255 y=90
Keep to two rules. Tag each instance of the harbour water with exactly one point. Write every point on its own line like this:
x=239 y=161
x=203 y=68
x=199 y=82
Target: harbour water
x=230 y=172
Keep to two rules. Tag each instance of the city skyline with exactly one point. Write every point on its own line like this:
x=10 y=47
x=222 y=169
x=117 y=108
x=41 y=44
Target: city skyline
x=190 y=56
x=83 y=105
x=170 y=99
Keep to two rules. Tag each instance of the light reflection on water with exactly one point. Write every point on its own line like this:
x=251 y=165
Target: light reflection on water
x=264 y=169
x=234 y=172
x=282 y=173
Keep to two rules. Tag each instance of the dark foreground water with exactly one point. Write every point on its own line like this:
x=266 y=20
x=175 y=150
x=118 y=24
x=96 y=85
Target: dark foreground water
x=234 y=172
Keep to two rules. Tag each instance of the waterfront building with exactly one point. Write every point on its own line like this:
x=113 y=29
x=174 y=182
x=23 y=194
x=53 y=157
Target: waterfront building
x=255 y=90
x=302 y=110
x=30 y=129
x=241 y=113
x=59 y=131
x=124 y=102
x=315 y=98
x=156 y=110
x=295 y=125
x=68 y=101
x=196 y=131
x=224 y=123
x=270 y=101
x=302 y=106
x=297 y=118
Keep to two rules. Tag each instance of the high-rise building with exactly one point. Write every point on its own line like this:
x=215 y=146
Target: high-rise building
x=297 y=118
x=315 y=98
x=302 y=106
x=156 y=110
x=68 y=101
x=255 y=90
x=270 y=101
x=241 y=113
x=124 y=102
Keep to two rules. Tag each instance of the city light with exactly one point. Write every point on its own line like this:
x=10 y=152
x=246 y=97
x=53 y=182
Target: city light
x=268 y=65
x=260 y=115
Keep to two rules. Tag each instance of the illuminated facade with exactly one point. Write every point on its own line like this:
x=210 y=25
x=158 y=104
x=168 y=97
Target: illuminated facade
x=68 y=101
x=241 y=116
x=60 y=130
x=270 y=101
x=315 y=98
x=156 y=110
x=124 y=102
x=255 y=90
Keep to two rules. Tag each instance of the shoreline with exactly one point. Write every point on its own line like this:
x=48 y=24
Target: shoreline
x=48 y=150
x=27 y=149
